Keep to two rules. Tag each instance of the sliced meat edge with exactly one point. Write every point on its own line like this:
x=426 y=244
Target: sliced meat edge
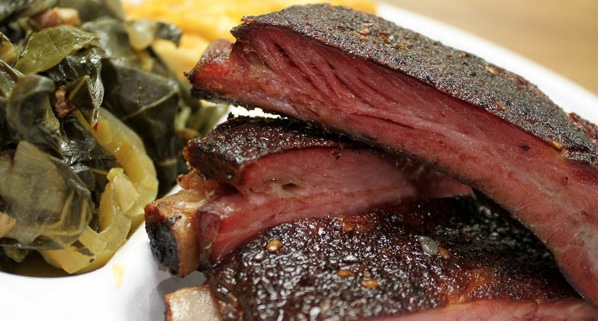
x=390 y=87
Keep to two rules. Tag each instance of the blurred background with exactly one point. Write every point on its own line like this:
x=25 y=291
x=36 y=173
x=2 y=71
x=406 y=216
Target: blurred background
x=560 y=35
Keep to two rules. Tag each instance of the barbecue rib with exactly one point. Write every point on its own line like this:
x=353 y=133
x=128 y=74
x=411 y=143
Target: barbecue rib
x=387 y=86
x=253 y=173
x=447 y=258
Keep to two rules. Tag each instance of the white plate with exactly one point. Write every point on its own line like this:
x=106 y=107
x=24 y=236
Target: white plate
x=131 y=286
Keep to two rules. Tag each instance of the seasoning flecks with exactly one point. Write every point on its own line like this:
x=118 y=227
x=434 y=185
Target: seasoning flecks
x=273 y=245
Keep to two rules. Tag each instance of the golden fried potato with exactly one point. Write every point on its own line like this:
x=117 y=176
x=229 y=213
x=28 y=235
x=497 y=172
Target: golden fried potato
x=203 y=21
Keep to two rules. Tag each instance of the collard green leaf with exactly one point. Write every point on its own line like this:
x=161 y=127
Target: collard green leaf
x=147 y=103
x=8 y=79
x=82 y=153
x=46 y=48
x=30 y=115
x=92 y=10
x=50 y=75
x=12 y=10
x=30 y=176
x=86 y=94
x=142 y=33
x=8 y=52
x=7 y=141
x=80 y=73
x=112 y=38
x=168 y=31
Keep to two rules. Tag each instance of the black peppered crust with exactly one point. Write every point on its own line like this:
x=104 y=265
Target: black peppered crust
x=454 y=72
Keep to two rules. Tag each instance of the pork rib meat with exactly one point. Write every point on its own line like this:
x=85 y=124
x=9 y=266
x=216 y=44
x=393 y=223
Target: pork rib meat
x=437 y=259
x=379 y=83
x=253 y=173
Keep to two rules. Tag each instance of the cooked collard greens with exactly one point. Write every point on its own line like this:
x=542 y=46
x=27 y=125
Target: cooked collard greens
x=92 y=123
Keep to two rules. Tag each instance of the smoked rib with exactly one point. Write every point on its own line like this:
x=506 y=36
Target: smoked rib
x=438 y=259
x=376 y=82
x=250 y=174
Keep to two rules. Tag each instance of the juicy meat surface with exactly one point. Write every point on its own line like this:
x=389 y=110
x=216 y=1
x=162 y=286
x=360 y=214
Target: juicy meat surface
x=384 y=85
x=445 y=258
x=255 y=173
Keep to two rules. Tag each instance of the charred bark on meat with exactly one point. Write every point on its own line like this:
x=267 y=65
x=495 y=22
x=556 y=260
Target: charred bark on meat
x=393 y=262
x=253 y=173
x=390 y=87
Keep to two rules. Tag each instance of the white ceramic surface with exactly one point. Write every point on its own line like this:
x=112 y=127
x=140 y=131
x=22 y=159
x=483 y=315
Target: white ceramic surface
x=131 y=286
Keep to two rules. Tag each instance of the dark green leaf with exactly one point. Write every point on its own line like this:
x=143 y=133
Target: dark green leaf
x=143 y=32
x=29 y=176
x=8 y=53
x=80 y=73
x=61 y=69
x=169 y=32
x=113 y=39
x=14 y=9
x=92 y=10
x=30 y=114
x=46 y=48
x=85 y=156
x=8 y=78
x=147 y=103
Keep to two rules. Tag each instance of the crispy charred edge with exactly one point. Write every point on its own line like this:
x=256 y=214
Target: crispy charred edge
x=451 y=71
x=177 y=225
x=223 y=152
x=170 y=224
x=163 y=242
x=234 y=295
x=569 y=309
x=589 y=128
x=571 y=154
x=197 y=303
